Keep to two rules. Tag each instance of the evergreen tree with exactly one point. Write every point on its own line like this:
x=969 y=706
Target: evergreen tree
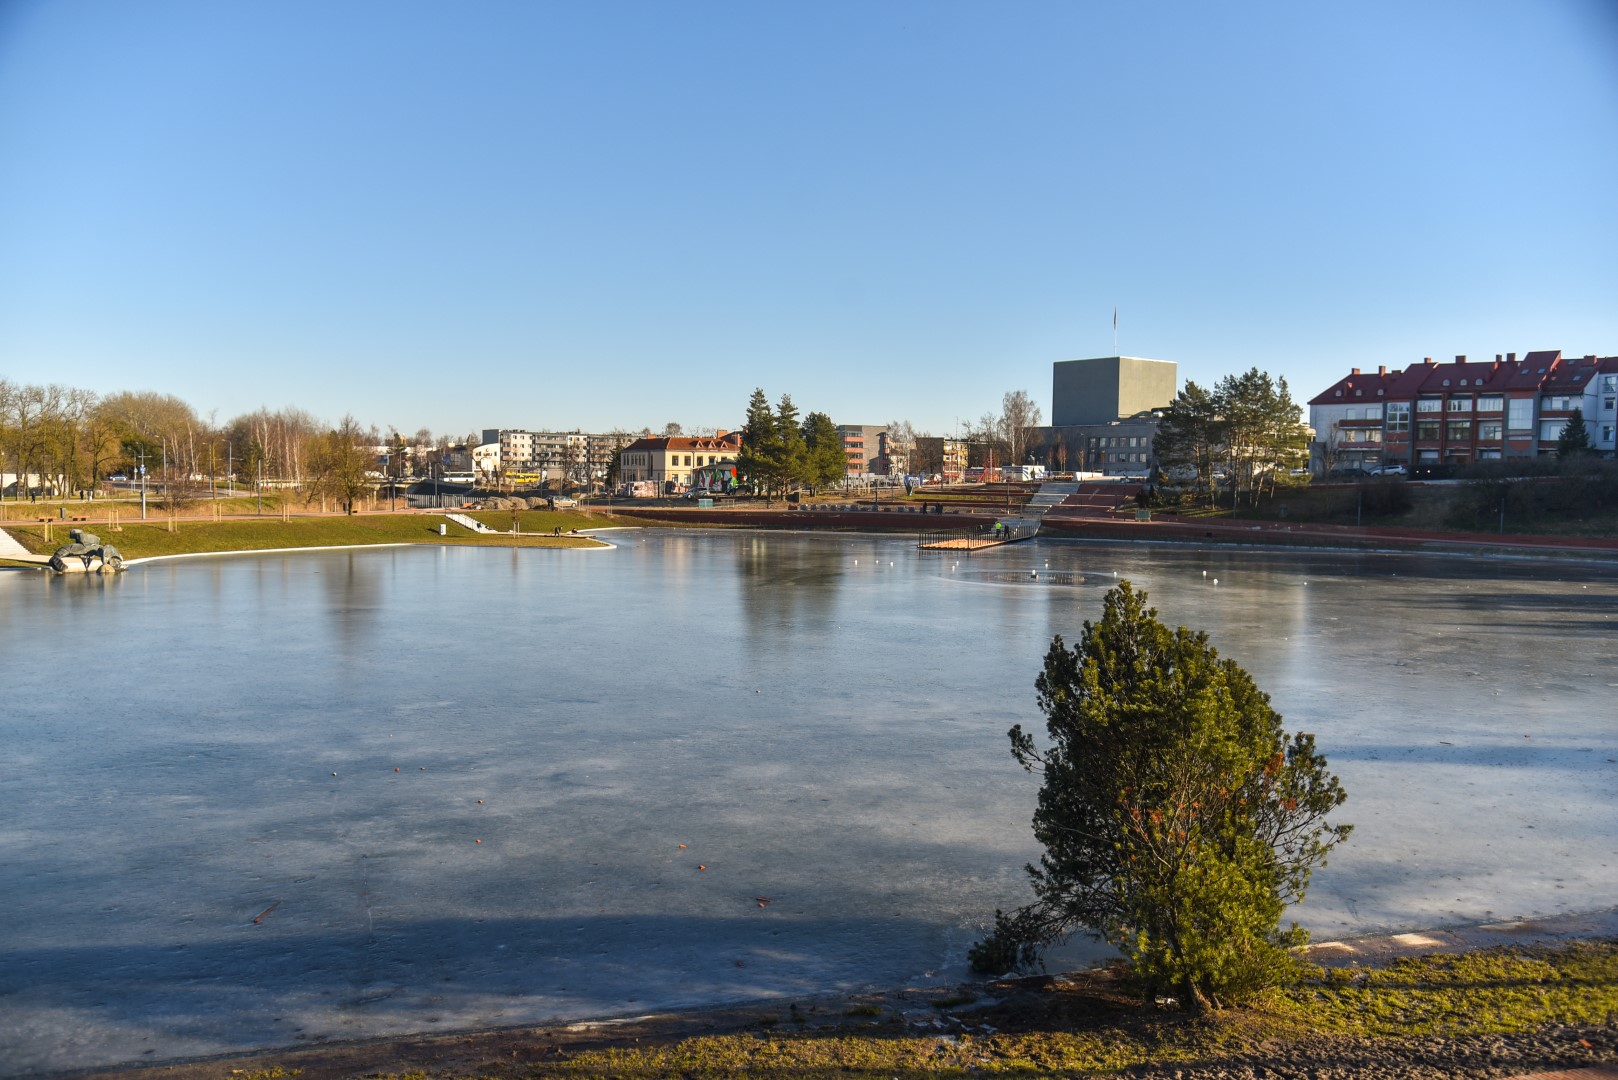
x=1177 y=818
x=1190 y=439
x=1575 y=437
x=792 y=468
x=827 y=461
x=760 y=456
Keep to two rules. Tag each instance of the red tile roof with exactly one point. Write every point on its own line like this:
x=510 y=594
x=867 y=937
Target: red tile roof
x=1367 y=385
x=731 y=441
x=1546 y=369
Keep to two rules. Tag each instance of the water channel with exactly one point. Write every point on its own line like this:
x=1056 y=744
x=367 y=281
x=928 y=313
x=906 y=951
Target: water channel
x=257 y=801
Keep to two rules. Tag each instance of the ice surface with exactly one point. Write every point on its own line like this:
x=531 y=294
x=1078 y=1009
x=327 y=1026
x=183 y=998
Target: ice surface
x=821 y=721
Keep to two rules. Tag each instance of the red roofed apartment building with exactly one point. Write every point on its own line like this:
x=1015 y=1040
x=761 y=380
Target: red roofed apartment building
x=1450 y=414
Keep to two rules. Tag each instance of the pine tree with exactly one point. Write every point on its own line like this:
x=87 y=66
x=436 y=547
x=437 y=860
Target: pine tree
x=793 y=464
x=1178 y=820
x=760 y=455
x=827 y=461
x=1575 y=437
x=1190 y=438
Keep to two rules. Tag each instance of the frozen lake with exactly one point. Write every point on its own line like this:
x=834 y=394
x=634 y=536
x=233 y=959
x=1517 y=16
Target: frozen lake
x=820 y=721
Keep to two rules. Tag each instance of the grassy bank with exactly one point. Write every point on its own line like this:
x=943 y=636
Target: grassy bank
x=137 y=539
x=1089 y=1023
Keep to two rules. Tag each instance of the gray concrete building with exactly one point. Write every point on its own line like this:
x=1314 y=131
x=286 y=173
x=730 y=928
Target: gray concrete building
x=1108 y=388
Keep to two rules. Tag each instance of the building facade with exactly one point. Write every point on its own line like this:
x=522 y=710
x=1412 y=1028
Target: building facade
x=942 y=455
x=1118 y=448
x=576 y=456
x=1105 y=413
x=1449 y=414
x=671 y=462
x=862 y=445
x=1107 y=388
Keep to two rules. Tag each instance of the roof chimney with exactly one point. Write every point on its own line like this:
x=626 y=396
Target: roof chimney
x=1460 y=358
x=1511 y=358
x=1427 y=360
x=1497 y=358
x=1382 y=369
x=1353 y=371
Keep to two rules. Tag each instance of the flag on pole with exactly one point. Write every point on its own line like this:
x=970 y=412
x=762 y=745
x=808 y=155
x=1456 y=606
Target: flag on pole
x=1115 y=316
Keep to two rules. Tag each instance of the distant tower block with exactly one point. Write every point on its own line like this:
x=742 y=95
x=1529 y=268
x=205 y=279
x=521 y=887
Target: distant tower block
x=1108 y=388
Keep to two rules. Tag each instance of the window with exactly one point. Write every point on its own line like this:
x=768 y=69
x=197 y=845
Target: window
x=1427 y=430
x=1460 y=404
x=1551 y=430
x=1373 y=412
x=1490 y=430
x=1430 y=404
x=1558 y=403
x=1606 y=403
x=1458 y=431
x=1606 y=433
x=1609 y=384
x=1398 y=416
x=1491 y=403
x=1520 y=414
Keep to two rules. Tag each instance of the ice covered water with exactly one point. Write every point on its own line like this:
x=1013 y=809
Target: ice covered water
x=522 y=740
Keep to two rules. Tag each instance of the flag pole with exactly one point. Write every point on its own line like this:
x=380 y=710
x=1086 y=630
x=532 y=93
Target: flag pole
x=1115 y=330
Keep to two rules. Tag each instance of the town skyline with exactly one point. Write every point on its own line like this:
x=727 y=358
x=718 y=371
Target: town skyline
x=624 y=217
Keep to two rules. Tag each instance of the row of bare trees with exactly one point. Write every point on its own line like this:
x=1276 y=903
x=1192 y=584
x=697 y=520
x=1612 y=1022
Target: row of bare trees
x=1004 y=438
x=59 y=440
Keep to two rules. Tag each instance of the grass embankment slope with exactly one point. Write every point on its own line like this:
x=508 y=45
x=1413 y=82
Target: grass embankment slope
x=1472 y=1004
x=1402 y=504
x=137 y=539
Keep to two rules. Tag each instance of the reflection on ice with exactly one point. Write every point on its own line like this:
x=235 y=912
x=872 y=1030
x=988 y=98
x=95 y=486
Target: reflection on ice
x=523 y=741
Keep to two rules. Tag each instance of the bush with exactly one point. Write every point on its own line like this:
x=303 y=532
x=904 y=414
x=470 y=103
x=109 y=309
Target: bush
x=1177 y=818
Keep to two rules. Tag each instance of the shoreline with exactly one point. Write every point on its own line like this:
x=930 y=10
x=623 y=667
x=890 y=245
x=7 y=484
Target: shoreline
x=1210 y=535
x=938 y=1012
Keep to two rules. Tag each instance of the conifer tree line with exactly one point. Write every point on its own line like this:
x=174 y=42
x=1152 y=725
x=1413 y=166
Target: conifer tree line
x=1243 y=434
x=72 y=439
x=780 y=453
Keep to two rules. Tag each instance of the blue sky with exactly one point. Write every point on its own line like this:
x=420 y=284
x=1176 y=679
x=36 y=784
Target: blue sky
x=597 y=215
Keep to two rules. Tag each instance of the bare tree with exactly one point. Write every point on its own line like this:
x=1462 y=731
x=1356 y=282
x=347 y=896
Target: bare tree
x=1019 y=416
x=901 y=446
x=339 y=464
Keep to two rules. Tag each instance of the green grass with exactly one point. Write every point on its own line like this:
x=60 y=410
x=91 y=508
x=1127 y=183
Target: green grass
x=1476 y=993
x=137 y=539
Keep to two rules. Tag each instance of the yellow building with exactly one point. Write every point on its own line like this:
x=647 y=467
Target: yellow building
x=669 y=462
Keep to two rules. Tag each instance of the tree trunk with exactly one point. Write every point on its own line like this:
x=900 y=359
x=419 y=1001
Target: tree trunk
x=1193 y=1000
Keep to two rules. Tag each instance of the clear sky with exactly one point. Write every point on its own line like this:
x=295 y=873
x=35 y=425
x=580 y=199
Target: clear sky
x=597 y=215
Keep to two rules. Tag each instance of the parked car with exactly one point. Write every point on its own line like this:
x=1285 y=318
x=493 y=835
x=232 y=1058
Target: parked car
x=1390 y=470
